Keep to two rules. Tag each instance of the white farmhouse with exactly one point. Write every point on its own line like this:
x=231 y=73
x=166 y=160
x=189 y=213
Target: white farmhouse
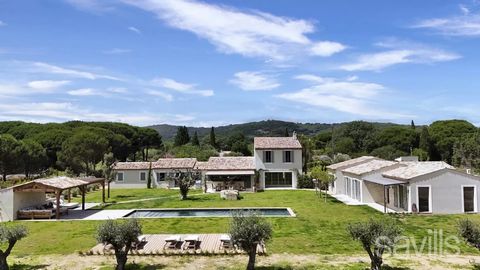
x=405 y=185
x=279 y=160
x=275 y=164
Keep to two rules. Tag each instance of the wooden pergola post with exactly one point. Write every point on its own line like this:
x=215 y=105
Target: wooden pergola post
x=384 y=199
x=82 y=189
x=103 y=191
x=58 y=192
x=69 y=195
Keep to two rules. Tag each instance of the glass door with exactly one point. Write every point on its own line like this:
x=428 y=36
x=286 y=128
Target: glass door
x=468 y=199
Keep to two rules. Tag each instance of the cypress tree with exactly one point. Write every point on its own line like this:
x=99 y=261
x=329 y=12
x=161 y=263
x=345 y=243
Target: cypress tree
x=182 y=136
x=195 y=140
x=213 y=141
x=287 y=134
x=149 y=177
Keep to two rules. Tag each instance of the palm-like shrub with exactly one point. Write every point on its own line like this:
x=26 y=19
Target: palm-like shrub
x=247 y=231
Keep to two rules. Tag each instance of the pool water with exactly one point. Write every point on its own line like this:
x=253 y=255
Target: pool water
x=207 y=212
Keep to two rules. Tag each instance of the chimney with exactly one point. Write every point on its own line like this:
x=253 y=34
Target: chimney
x=294 y=135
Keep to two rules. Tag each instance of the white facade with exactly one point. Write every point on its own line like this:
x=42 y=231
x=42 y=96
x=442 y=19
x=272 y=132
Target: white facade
x=278 y=160
x=11 y=202
x=277 y=165
x=424 y=187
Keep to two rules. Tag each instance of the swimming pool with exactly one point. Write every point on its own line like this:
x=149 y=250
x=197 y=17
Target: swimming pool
x=207 y=212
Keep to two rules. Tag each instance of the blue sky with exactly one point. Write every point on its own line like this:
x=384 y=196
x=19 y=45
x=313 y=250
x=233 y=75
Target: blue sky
x=208 y=62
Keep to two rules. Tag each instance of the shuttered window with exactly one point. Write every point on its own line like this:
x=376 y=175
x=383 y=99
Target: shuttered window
x=268 y=156
x=288 y=156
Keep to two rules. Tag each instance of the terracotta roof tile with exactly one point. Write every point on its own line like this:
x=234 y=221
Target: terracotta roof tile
x=350 y=162
x=276 y=143
x=163 y=163
x=369 y=166
x=231 y=163
x=415 y=169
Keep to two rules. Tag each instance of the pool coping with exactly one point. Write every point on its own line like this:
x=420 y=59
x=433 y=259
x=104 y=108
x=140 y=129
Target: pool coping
x=290 y=211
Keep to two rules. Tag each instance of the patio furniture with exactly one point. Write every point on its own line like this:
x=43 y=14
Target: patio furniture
x=35 y=214
x=141 y=241
x=191 y=241
x=225 y=242
x=172 y=241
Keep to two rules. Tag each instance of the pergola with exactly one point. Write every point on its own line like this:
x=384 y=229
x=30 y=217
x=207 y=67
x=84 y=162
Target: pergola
x=59 y=184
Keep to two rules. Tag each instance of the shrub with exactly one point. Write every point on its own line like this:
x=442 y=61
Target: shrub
x=304 y=181
x=470 y=232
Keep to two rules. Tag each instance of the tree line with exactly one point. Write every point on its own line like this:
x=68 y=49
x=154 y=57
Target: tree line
x=77 y=147
x=453 y=141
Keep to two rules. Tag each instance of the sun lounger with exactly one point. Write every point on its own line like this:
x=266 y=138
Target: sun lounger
x=191 y=241
x=172 y=241
x=225 y=241
x=141 y=241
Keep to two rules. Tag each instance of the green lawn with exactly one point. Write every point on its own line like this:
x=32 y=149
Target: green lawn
x=318 y=228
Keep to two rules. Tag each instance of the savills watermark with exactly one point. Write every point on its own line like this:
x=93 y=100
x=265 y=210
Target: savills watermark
x=434 y=243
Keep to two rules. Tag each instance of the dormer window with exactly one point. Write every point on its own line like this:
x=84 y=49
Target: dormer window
x=268 y=156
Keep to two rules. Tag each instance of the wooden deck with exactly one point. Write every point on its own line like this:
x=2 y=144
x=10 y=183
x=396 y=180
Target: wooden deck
x=155 y=245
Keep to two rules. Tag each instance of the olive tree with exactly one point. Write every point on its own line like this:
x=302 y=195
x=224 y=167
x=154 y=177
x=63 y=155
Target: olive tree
x=376 y=237
x=185 y=180
x=121 y=236
x=324 y=178
x=247 y=230
x=9 y=235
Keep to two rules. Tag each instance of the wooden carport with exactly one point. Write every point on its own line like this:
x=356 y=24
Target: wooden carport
x=59 y=184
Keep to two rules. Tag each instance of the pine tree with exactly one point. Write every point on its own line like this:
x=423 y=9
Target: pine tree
x=213 y=140
x=413 y=125
x=195 y=140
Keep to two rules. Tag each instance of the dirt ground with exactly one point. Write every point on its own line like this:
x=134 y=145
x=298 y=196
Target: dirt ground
x=275 y=261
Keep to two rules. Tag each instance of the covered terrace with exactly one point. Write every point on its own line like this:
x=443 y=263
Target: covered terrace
x=22 y=195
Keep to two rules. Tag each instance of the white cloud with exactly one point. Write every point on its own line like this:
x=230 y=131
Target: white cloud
x=2 y=23
x=467 y=24
x=180 y=87
x=254 y=81
x=94 y=6
x=352 y=78
x=65 y=111
x=84 y=92
x=134 y=29
x=312 y=78
x=47 y=85
x=327 y=48
x=357 y=98
x=400 y=52
x=160 y=94
x=117 y=90
x=252 y=33
x=117 y=51
x=52 y=69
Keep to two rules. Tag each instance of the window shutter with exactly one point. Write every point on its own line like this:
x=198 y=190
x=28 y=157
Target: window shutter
x=273 y=156
x=264 y=156
x=291 y=156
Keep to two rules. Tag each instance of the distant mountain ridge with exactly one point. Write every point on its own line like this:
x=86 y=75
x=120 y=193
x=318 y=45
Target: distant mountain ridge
x=259 y=128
